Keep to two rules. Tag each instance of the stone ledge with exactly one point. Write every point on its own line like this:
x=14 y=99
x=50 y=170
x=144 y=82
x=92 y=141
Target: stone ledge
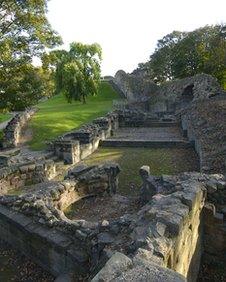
x=145 y=143
x=121 y=268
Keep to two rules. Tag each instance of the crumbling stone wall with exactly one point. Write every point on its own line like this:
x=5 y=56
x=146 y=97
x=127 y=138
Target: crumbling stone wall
x=135 y=88
x=14 y=177
x=168 y=232
x=77 y=145
x=169 y=96
x=205 y=125
x=12 y=132
x=138 y=118
x=42 y=231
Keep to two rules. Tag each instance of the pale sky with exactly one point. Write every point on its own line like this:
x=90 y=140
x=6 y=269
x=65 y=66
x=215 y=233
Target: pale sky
x=128 y=30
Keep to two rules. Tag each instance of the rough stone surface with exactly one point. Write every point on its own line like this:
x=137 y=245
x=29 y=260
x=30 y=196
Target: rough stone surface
x=135 y=88
x=12 y=132
x=114 y=267
x=205 y=125
x=76 y=145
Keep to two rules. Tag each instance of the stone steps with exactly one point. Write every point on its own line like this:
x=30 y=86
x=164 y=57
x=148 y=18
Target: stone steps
x=146 y=143
x=152 y=123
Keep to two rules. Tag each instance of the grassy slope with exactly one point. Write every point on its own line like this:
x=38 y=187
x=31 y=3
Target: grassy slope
x=56 y=116
x=4 y=117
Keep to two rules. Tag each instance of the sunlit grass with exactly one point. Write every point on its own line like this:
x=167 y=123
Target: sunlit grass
x=161 y=161
x=4 y=117
x=56 y=116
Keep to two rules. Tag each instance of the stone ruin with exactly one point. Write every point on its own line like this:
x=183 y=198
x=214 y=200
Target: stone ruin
x=162 y=235
x=13 y=131
x=159 y=235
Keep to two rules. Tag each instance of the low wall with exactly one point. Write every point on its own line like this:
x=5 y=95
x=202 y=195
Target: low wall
x=136 y=118
x=51 y=249
x=35 y=223
x=17 y=176
x=173 y=229
x=12 y=132
x=77 y=145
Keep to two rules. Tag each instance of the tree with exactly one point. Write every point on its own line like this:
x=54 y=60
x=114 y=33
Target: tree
x=77 y=71
x=160 y=65
x=24 y=33
x=182 y=54
x=27 y=84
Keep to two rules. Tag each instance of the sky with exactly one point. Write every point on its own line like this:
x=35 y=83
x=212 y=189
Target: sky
x=128 y=30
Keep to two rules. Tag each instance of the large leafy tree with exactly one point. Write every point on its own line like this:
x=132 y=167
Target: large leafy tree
x=24 y=33
x=77 y=72
x=181 y=54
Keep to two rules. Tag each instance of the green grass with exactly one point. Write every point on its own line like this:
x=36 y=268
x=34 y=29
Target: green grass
x=56 y=116
x=161 y=161
x=4 y=117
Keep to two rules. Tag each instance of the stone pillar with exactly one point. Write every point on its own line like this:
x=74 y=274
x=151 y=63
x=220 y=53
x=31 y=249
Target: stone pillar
x=67 y=150
x=149 y=187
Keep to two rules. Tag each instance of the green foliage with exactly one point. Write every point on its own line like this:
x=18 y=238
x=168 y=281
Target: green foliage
x=56 y=116
x=77 y=71
x=24 y=33
x=182 y=54
x=4 y=117
x=24 y=86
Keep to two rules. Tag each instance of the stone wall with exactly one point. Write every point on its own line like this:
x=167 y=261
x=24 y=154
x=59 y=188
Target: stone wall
x=35 y=224
x=135 y=88
x=138 y=118
x=12 y=132
x=14 y=177
x=214 y=235
x=204 y=124
x=168 y=232
x=169 y=96
x=77 y=145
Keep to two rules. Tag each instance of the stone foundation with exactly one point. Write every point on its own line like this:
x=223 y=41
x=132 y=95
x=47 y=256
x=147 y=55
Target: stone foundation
x=14 y=177
x=35 y=223
x=167 y=230
x=76 y=145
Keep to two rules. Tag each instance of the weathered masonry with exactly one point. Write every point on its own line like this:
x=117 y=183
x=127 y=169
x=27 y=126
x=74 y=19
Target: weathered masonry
x=165 y=232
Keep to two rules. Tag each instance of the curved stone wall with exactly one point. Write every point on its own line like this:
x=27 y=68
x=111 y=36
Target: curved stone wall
x=12 y=132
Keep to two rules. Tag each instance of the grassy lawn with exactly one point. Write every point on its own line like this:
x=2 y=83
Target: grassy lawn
x=161 y=161
x=4 y=117
x=56 y=116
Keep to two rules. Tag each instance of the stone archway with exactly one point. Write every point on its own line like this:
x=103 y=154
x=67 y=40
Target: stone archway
x=187 y=94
